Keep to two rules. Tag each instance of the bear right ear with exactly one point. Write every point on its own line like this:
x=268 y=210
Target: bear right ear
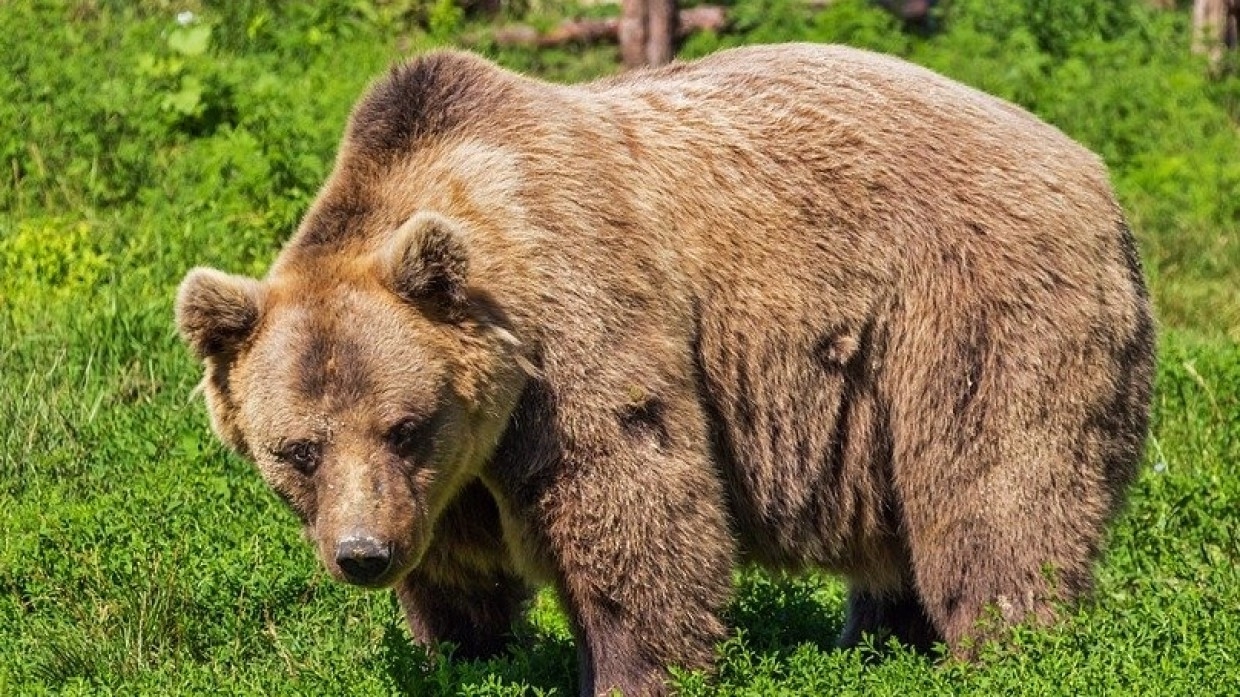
x=427 y=260
x=216 y=311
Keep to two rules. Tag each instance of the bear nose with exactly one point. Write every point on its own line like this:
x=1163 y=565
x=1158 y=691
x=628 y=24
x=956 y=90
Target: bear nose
x=363 y=559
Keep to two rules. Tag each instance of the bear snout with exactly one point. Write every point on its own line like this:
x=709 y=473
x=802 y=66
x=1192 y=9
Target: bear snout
x=363 y=559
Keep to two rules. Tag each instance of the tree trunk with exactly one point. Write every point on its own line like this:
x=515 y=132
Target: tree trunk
x=633 y=33
x=647 y=31
x=1216 y=24
x=660 y=31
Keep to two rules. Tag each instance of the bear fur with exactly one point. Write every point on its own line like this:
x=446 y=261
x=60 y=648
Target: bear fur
x=802 y=306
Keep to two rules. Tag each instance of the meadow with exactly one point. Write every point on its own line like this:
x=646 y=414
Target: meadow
x=137 y=556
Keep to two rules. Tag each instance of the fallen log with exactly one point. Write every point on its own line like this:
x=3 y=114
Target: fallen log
x=597 y=30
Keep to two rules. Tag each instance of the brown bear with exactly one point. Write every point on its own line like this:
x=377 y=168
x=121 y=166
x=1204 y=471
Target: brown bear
x=803 y=306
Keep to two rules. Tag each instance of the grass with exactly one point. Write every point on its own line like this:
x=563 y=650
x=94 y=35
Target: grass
x=136 y=556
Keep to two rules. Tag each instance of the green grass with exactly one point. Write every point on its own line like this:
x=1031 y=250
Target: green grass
x=136 y=556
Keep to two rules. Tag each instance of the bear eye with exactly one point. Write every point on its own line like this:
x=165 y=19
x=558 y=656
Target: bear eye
x=409 y=437
x=302 y=455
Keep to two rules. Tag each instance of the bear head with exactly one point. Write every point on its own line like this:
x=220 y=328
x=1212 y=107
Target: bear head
x=368 y=386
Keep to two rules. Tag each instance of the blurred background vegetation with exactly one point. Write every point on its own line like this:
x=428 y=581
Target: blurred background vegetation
x=140 y=138
x=113 y=108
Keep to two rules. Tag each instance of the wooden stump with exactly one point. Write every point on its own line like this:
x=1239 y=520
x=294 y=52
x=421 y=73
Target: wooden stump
x=647 y=31
x=1216 y=27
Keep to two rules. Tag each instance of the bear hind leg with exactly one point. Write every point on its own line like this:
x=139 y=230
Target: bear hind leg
x=886 y=614
x=975 y=582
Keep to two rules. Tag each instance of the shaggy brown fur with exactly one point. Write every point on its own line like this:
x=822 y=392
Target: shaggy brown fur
x=801 y=305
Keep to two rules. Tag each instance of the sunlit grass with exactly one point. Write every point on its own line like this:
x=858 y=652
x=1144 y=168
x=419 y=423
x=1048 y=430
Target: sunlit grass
x=137 y=557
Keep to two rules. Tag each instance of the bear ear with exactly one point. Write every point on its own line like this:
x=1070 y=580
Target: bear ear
x=427 y=260
x=216 y=311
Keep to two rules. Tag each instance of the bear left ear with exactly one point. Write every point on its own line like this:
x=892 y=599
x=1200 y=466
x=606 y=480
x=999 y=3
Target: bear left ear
x=428 y=261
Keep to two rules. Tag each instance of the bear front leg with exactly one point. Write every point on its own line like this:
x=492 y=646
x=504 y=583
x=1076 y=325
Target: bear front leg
x=477 y=617
x=464 y=590
x=640 y=543
x=644 y=574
